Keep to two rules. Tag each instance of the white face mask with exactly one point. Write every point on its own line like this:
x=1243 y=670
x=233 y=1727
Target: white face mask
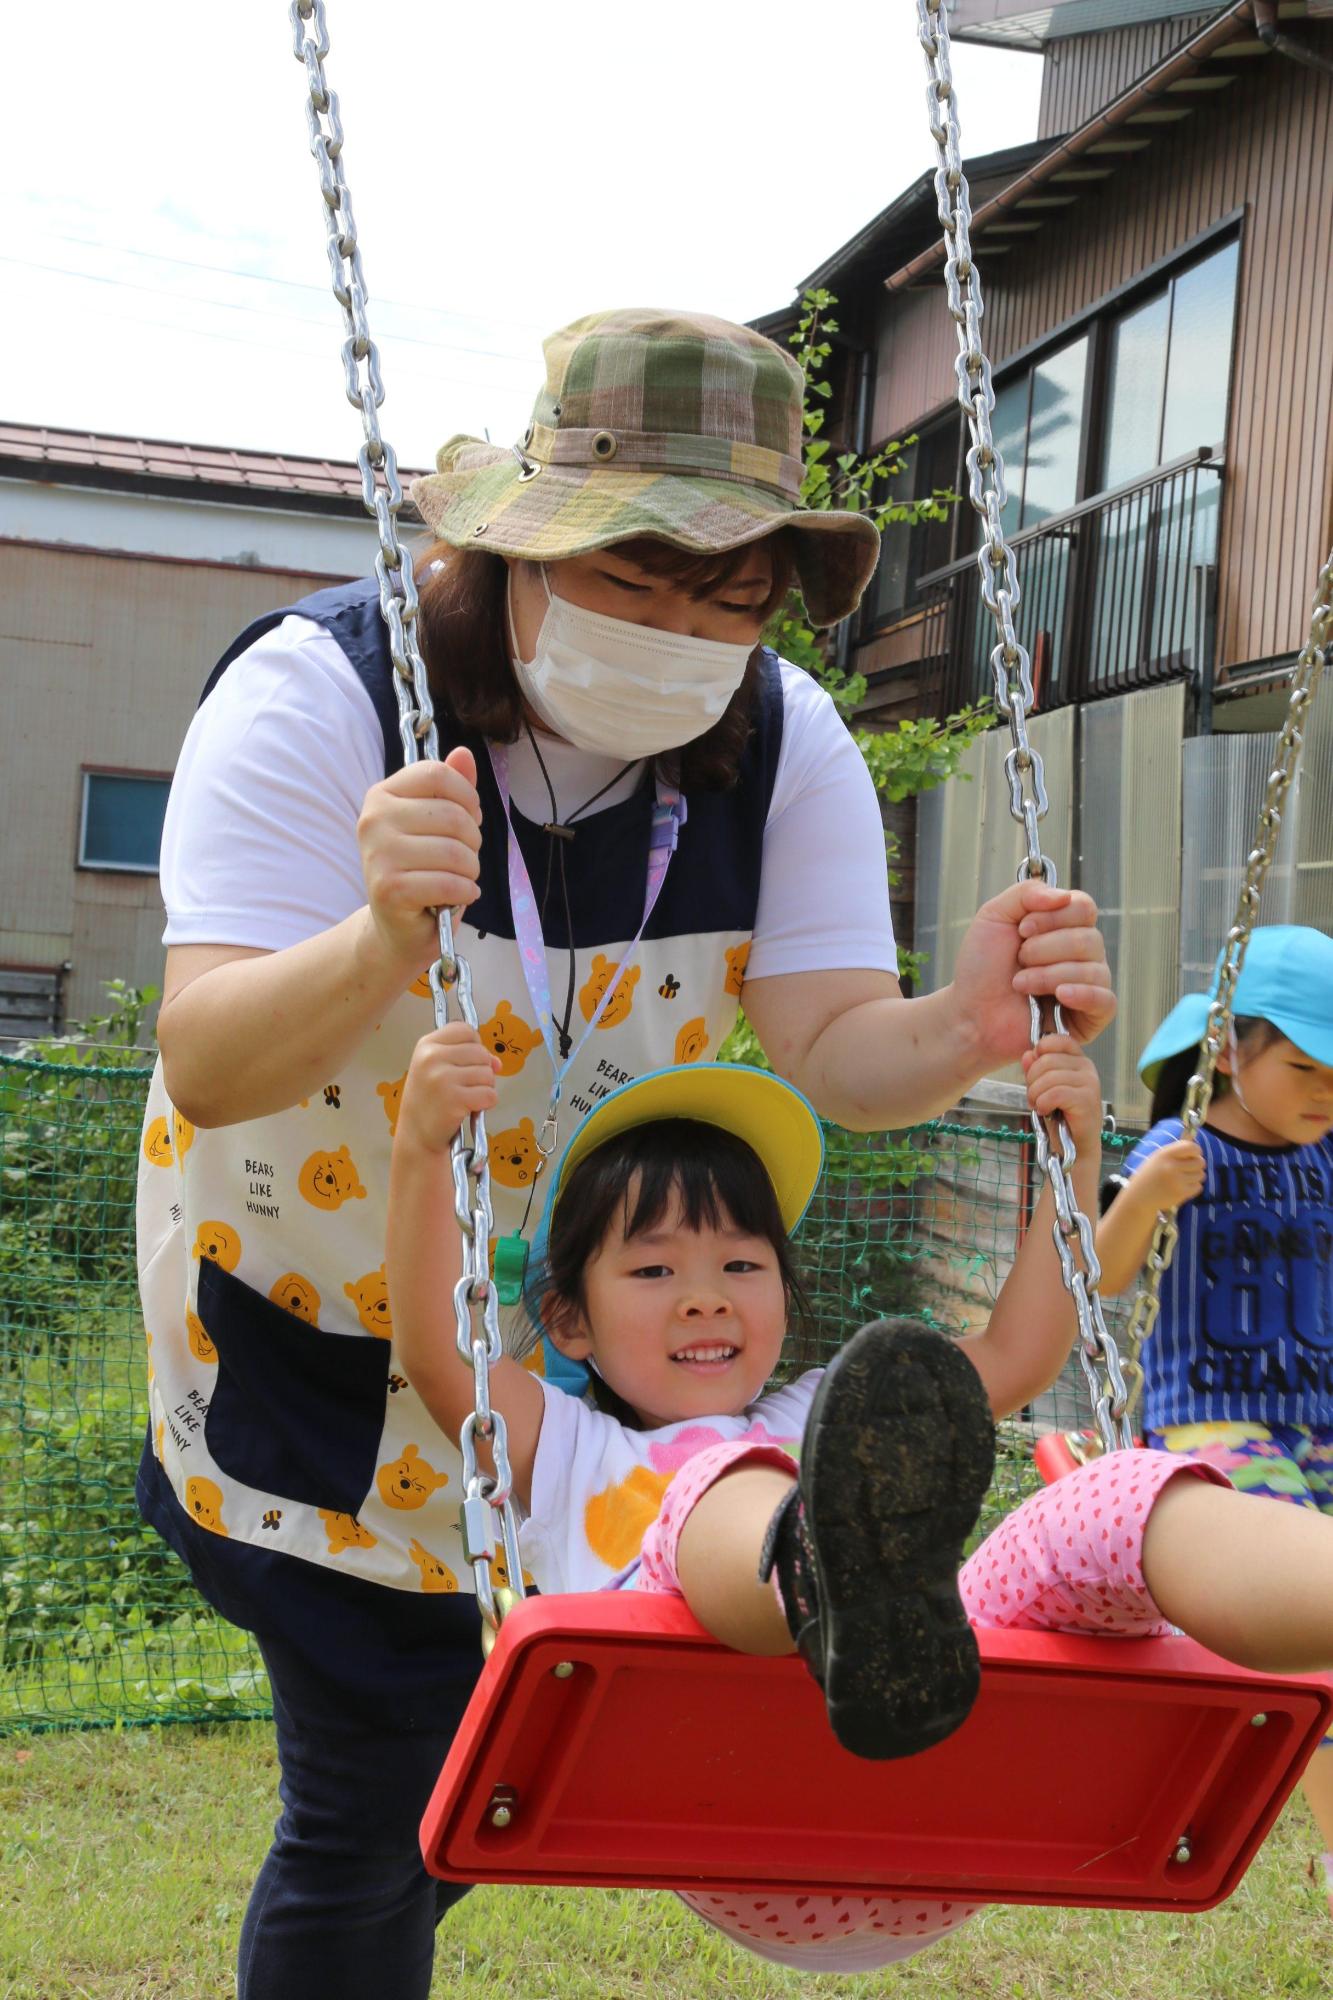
x=626 y=690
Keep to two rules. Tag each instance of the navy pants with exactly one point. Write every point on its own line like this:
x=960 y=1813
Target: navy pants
x=343 y=1909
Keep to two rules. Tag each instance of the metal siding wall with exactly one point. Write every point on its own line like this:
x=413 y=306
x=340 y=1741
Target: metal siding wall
x=103 y=662
x=1129 y=787
x=1264 y=145
x=1082 y=74
x=915 y=348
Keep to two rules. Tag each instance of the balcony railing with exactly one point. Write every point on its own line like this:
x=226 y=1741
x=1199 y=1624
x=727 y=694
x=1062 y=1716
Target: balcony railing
x=1118 y=593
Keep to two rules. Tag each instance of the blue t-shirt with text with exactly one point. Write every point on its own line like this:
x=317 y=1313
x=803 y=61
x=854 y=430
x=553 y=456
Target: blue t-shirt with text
x=1245 y=1332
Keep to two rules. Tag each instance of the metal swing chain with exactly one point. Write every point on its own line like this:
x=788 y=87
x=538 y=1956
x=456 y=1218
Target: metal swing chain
x=1309 y=666
x=1012 y=676
x=487 y=1500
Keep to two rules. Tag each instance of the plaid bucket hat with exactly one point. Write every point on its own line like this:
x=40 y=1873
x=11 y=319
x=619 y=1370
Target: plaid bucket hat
x=653 y=423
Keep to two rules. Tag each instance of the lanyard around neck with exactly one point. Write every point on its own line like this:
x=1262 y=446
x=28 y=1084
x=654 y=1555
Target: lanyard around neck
x=669 y=814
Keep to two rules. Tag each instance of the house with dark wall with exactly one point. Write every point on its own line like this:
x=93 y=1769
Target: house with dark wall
x=1157 y=270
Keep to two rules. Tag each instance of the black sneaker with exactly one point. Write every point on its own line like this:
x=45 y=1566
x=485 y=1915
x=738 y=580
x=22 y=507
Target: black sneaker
x=896 y=1459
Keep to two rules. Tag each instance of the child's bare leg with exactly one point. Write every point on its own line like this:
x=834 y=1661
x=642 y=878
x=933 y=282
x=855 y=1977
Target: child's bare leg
x=717 y=1560
x=863 y=1545
x=1250 y=1578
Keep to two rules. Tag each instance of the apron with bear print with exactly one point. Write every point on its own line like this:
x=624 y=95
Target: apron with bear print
x=280 y=1420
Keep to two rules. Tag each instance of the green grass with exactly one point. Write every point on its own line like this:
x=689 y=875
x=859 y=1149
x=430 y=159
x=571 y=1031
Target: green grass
x=126 y=1860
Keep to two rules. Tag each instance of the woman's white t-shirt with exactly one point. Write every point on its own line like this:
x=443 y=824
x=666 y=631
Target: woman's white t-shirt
x=265 y=855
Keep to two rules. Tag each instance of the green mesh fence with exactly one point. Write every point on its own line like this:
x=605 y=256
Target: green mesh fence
x=101 y=1623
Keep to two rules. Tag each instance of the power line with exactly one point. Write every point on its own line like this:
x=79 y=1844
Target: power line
x=432 y=376
x=235 y=305
x=266 y=278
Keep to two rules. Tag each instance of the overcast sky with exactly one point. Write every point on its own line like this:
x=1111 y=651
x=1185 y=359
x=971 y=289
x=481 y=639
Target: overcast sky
x=512 y=166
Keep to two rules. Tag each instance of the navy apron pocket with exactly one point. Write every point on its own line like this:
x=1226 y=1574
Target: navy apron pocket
x=295 y=1411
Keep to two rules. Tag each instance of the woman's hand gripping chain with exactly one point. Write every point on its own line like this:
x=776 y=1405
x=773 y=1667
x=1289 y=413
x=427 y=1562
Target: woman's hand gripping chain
x=1031 y=943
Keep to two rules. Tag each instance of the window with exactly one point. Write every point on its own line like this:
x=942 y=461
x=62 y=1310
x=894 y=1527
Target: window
x=1121 y=593
x=1168 y=370
x=1168 y=373
x=929 y=466
x=1038 y=425
x=121 y=822
x=1038 y=428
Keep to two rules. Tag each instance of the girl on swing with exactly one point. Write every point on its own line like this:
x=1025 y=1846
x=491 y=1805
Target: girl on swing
x=1239 y=1369
x=827 y=1515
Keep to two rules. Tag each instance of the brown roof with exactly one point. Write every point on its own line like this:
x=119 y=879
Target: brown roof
x=1021 y=207
x=264 y=476
x=1029 y=24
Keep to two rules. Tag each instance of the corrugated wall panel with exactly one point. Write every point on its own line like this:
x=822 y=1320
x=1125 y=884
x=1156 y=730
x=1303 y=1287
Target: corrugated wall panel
x=1225 y=779
x=958 y=855
x=1313 y=902
x=1264 y=146
x=1129 y=862
x=969 y=847
x=1052 y=738
x=931 y=812
x=1165 y=831
x=1223 y=784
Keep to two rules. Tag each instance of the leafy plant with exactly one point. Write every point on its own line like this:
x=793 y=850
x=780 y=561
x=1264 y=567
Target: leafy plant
x=75 y=1560
x=916 y=755
x=69 y=1145
x=113 y=1038
x=77 y=1565
x=849 y=482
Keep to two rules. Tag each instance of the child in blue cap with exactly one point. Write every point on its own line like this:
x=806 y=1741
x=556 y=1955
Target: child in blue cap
x=1239 y=1368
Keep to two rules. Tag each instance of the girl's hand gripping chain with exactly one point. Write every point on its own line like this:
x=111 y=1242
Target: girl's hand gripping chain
x=1171 y=1177
x=1060 y=1077
x=1022 y=1350
x=451 y=1076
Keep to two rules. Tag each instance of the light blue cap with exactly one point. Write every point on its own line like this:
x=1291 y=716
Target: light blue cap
x=1287 y=979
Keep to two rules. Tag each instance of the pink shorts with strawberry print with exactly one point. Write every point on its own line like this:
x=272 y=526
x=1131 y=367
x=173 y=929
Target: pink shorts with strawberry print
x=1070 y=1559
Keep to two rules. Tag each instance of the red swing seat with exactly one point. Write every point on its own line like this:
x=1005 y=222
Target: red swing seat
x=611 y=1743
x=1057 y=1452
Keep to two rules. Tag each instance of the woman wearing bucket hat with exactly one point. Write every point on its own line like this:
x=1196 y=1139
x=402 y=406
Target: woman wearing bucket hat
x=1239 y=1369
x=670 y=815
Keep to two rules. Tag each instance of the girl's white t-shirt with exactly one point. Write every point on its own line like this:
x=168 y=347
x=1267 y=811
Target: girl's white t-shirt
x=259 y=846
x=597 y=1485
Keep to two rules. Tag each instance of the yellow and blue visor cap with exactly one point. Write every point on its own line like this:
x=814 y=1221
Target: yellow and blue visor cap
x=1287 y=979
x=769 y=1115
